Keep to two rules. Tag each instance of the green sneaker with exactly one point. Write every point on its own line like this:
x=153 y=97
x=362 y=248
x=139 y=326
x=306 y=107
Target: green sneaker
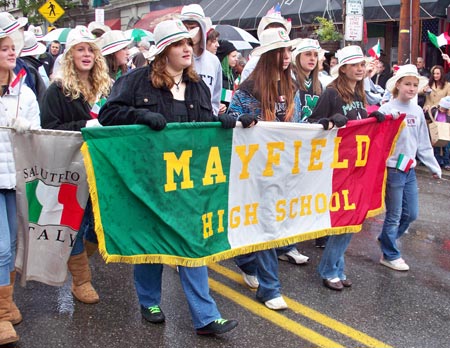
x=217 y=327
x=153 y=314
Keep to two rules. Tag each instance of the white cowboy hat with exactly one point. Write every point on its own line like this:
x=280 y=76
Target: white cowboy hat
x=274 y=17
x=11 y=27
x=347 y=55
x=113 y=41
x=168 y=32
x=307 y=45
x=8 y=23
x=78 y=35
x=403 y=71
x=274 y=38
x=31 y=47
x=97 y=25
x=36 y=30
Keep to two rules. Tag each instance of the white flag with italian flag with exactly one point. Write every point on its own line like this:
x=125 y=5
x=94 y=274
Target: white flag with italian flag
x=52 y=193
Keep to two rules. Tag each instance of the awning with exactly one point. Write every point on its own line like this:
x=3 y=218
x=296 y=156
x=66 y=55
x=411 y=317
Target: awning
x=246 y=14
x=149 y=21
x=114 y=24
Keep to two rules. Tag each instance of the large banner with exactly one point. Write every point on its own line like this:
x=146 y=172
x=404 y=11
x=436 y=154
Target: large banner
x=195 y=193
x=52 y=193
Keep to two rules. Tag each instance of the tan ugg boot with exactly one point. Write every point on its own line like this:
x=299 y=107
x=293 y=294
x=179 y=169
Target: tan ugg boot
x=90 y=248
x=8 y=309
x=82 y=288
x=16 y=316
x=7 y=333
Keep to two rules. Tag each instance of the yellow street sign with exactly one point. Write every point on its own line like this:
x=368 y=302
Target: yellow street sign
x=51 y=11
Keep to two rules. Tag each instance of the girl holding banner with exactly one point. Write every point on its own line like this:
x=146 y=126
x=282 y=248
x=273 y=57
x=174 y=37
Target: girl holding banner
x=268 y=95
x=343 y=99
x=19 y=110
x=167 y=89
x=67 y=105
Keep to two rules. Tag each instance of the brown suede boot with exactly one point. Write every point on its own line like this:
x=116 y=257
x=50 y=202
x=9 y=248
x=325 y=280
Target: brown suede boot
x=90 y=248
x=8 y=309
x=7 y=333
x=16 y=316
x=82 y=288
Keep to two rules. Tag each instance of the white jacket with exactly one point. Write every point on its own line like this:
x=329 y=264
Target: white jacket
x=29 y=110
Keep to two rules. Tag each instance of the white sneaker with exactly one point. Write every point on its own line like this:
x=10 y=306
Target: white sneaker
x=276 y=304
x=250 y=280
x=294 y=256
x=398 y=264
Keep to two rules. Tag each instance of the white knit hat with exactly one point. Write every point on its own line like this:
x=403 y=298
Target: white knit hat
x=445 y=102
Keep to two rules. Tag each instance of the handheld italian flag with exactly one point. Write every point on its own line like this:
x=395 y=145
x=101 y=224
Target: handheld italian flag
x=375 y=51
x=438 y=41
x=16 y=84
x=97 y=106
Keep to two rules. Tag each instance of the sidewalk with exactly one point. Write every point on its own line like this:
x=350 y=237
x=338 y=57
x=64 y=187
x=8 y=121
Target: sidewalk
x=422 y=170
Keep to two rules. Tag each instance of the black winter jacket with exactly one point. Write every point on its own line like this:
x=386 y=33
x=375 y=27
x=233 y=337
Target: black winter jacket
x=61 y=112
x=133 y=95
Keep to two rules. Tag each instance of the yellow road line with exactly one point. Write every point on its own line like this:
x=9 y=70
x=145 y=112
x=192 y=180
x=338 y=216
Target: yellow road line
x=310 y=313
x=272 y=316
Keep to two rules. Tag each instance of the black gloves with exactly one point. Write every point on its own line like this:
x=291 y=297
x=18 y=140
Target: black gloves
x=378 y=115
x=227 y=121
x=247 y=120
x=339 y=120
x=325 y=122
x=154 y=120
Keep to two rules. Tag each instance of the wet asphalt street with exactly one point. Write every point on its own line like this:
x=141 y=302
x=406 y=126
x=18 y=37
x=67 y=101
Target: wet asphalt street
x=384 y=308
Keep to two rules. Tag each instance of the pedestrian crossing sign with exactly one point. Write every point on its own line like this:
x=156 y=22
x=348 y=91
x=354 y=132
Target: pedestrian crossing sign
x=51 y=11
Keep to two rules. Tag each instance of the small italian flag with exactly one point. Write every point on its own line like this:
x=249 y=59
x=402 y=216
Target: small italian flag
x=375 y=51
x=227 y=94
x=441 y=40
x=404 y=163
x=97 y=106
x=16 y=84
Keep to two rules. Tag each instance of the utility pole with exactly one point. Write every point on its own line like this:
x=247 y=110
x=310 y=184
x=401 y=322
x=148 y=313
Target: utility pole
x=416 y=30
x=404 y=34
x=409 y=33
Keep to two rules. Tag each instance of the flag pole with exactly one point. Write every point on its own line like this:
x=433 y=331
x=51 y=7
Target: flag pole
x=18 y=96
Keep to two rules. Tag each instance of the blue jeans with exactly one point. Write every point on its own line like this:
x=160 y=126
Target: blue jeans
x=194 y=280
x=402 y=206
x=332 y=263
x=8 y=234
x=86 y=230
x=264 y=265
x=442 y=155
